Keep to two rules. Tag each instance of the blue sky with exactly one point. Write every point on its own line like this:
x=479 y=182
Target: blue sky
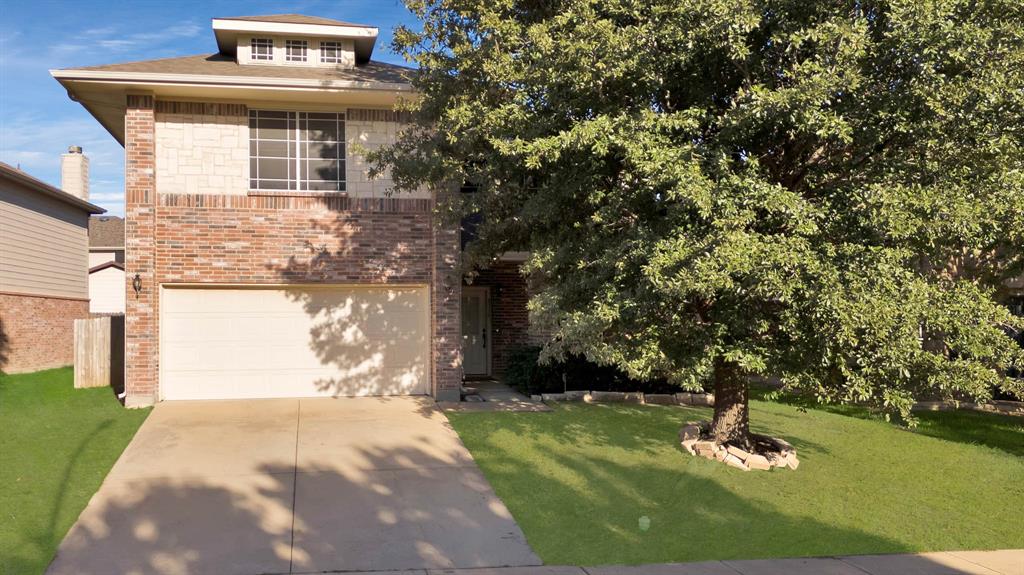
x=38 y=121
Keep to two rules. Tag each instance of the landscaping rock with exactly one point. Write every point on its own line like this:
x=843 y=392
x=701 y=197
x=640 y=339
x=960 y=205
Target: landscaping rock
x=704 y=399
x=764 y=455
x=738 y=453
x=660 y=399
x=607 y=396
x=552 y=396
x=536 y=398
x=755 y=461
x=736 y=462
x=705 y=444
x=684 y=398
x=576 y=395
x=633 y=397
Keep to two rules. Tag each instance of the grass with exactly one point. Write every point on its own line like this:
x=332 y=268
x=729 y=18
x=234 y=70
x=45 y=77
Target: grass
x=607 y=484
x=57 y=445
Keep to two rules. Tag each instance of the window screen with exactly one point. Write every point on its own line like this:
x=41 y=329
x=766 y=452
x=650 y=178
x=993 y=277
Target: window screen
x=296 y=151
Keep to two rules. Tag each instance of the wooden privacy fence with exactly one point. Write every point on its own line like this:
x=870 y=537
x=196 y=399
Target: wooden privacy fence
x=99 y=352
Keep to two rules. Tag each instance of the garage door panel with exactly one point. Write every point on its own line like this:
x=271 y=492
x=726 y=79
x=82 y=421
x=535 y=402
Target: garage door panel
x=296 y=342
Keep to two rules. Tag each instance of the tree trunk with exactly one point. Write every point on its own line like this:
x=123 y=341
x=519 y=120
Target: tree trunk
x=732 y=417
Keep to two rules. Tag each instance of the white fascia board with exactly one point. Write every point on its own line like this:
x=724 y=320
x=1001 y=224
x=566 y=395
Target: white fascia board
x=295 y=29
x=115 y=77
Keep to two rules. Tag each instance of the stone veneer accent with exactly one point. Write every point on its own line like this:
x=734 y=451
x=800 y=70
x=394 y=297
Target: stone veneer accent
x=275 y=238
x=203 y=148
x=38 y=332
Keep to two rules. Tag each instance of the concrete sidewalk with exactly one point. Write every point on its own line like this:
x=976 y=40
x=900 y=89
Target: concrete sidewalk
x=1005 y=562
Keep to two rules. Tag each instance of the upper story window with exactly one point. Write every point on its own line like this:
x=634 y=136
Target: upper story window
x=301 y=151
x=296 y=50
x=262 y=49
x=330 y=52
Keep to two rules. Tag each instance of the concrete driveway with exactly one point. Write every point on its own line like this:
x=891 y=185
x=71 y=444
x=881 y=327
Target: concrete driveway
x=293 y=486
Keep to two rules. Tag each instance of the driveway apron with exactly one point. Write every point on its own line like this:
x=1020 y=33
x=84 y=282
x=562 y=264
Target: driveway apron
x=293 y=486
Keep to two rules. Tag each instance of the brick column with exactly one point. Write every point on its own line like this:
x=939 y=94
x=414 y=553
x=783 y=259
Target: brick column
x=446 y=316
x=141 y=353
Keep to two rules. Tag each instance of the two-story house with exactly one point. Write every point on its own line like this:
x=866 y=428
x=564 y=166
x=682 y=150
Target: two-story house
x=260 y=258
x=44 y=263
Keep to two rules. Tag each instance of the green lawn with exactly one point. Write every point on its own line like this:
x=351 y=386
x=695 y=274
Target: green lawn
x=56 y=445
x=581 y=481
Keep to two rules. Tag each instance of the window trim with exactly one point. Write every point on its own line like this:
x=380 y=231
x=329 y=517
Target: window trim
x=294 y=183
x=333 y=45
x=255 y=43
x=302 y=45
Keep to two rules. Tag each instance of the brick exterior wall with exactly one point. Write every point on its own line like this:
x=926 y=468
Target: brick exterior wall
x=38 y=332
x=509 y=316
x=446 y=315
x=140 y=349
x=274 y=238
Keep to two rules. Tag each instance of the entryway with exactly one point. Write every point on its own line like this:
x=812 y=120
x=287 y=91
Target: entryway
x=293 y=485
x=476 y=331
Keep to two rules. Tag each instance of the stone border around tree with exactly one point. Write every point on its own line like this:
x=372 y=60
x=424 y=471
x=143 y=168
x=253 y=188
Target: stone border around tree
x=769 y=453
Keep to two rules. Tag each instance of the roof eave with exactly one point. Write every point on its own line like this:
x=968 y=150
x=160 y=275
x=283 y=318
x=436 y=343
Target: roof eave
x=117 y=77
x=48 y=190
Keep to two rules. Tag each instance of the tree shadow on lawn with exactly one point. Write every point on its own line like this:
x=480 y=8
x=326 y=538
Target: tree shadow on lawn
x=581 y=490
x=994 y=430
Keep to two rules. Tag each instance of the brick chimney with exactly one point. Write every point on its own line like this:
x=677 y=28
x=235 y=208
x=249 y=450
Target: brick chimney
x=74 y=173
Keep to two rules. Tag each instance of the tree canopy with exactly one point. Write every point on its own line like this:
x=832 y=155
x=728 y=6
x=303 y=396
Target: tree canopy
x=829 y=192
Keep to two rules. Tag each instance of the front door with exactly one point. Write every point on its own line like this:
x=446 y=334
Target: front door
x=475 y=328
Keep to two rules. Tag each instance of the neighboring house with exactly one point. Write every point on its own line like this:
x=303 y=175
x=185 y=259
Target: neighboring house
x=44 y=265
x=261 y=261
x=106 y=265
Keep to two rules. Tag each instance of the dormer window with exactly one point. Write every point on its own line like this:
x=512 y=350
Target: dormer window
x=330 y=52
x=296 y=50
x=262 y=49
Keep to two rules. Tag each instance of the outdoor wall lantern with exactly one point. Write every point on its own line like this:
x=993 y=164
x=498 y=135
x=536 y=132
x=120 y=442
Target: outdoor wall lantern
x=137 y=285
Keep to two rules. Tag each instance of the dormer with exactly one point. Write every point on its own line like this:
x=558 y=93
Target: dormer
x=294 y=40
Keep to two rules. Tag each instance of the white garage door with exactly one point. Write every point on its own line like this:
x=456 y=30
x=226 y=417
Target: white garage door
x=295 y=342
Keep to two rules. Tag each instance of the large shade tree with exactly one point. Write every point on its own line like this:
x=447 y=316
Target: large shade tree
x=828 y=192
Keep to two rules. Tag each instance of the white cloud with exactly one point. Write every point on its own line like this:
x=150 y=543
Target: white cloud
x=116 y=44
x=36 y=143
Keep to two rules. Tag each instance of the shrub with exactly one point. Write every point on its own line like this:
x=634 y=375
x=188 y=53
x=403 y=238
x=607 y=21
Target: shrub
x=529 y=376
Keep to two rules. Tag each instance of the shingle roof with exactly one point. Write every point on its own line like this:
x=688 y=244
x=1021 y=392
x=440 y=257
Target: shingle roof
x=10 y=173
x=295 y=19
x=106 y=232
x=221 y=65
x=105 y=265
